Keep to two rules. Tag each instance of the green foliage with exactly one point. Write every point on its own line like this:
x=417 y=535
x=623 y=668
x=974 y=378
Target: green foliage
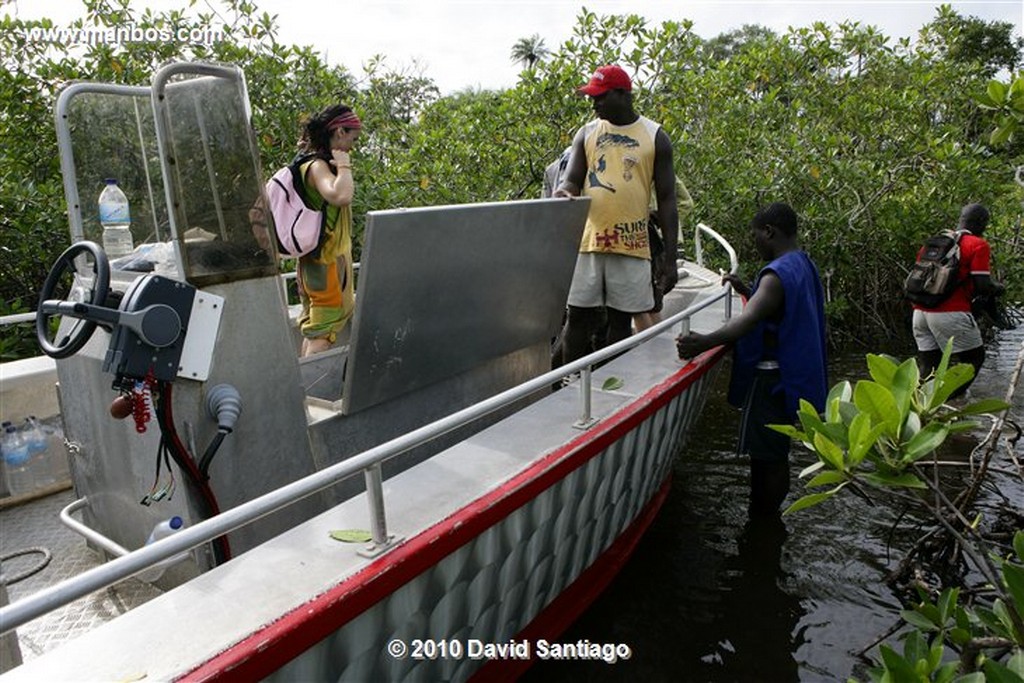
x=529 y=51
x=919 y=662
x=986 y=637
x=1006 y=102
x=875 y=432
x=14 y=346
x=871 y=436
x=612 y=383
x=974 y=41
x=732 y=43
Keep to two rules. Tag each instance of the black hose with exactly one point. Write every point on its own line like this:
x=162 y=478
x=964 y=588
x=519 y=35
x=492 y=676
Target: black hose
x=211 y=450
x=8 y=580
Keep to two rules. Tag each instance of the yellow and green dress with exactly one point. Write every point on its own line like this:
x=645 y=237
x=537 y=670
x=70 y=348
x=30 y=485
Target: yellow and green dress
x=325 y=276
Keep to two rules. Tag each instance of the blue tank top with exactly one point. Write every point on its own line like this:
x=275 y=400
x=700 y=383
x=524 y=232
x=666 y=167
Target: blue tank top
x=800 y=335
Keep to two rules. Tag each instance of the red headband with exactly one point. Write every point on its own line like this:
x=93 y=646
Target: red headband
x=347 y=120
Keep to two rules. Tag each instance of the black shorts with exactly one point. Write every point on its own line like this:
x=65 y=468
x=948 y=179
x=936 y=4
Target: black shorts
x=765 y=404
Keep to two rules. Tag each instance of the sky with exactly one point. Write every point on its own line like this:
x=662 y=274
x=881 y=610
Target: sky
x=466 y=43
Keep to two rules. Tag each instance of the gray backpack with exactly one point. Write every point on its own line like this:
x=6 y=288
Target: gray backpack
x=935 y=275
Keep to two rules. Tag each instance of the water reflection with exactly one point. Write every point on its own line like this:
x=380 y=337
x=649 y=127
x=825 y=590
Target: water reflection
x=708 y=595
x=753 y=594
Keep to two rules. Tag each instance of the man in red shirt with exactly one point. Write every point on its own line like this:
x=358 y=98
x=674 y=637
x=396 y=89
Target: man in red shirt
x=953 y=318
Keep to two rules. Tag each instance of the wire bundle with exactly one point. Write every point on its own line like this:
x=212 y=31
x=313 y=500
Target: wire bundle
x=172 y=445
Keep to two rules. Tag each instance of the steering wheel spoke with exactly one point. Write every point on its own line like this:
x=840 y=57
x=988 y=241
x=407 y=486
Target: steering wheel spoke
x=72 y=341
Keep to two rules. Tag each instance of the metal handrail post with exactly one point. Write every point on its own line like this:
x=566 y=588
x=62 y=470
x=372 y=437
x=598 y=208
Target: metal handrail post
x=698 y=247
x=375 y=498
x=379 y=539
x=684 y=326
x=586 y=397
x=585 y=381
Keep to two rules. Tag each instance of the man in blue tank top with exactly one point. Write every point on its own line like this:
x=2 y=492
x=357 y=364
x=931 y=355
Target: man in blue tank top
x=779 y=355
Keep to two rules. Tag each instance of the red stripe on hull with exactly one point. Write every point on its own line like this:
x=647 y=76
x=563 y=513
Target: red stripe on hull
x=571 y=603
x=276 y=644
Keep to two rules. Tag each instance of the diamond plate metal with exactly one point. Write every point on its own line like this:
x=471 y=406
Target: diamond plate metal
x=37 y=524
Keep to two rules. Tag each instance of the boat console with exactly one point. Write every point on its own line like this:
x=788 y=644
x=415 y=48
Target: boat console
x=454 y=304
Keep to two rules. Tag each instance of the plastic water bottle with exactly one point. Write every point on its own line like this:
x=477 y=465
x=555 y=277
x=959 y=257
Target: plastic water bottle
x=56 y=456
x=5 y=489
x=37 y=446
x=20 y=479
x=163 y=530
x=32 y=433
x=116 y=219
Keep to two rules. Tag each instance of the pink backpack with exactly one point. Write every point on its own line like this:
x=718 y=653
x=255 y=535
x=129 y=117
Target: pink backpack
x=298 y=224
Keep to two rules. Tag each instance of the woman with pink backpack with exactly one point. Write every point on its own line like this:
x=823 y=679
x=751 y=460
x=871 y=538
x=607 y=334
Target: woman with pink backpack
x=325 y=275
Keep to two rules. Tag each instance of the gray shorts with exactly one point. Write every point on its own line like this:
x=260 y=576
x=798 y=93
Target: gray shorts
x=612 y=280
x=932 y=330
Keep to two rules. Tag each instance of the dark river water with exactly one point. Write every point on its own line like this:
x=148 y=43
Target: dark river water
x=708 y=596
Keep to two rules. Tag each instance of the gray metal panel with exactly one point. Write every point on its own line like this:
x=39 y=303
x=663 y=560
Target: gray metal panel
x=269 y=446
x=443 y=289
x=113 y=465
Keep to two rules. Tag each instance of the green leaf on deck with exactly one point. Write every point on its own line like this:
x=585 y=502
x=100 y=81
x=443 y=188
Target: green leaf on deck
x=611 y=384
x=351 y=535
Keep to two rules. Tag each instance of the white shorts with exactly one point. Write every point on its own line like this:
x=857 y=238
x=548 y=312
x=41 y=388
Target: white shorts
x=612 y=280
x=933 y=329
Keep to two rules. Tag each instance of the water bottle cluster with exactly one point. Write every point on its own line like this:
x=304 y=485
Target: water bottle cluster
x=23 y=455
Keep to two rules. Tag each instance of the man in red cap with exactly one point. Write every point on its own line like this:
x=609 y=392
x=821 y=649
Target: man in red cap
x=615 y=160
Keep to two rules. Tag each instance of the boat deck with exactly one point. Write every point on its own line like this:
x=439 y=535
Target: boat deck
x=35 y=524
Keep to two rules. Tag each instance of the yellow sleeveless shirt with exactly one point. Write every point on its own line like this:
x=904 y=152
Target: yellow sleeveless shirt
x=620 y=169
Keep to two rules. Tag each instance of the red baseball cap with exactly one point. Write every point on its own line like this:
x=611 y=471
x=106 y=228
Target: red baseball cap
x=609 y=77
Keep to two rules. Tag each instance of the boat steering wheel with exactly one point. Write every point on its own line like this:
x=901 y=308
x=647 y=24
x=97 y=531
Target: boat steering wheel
x=74 y=340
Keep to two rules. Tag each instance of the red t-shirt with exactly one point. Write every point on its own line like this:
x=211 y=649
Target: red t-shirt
x=975 y=255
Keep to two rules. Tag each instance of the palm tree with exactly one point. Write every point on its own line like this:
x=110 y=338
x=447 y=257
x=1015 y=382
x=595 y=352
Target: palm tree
x=529 y=51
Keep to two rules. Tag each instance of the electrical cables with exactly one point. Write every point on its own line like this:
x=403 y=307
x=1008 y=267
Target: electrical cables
x=174 y=446
x=157 y=492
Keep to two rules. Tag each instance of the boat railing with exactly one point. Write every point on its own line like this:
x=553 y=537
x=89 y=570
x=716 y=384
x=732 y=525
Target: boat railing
x=368 y=462
x=30 y=316
x=16 y=318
